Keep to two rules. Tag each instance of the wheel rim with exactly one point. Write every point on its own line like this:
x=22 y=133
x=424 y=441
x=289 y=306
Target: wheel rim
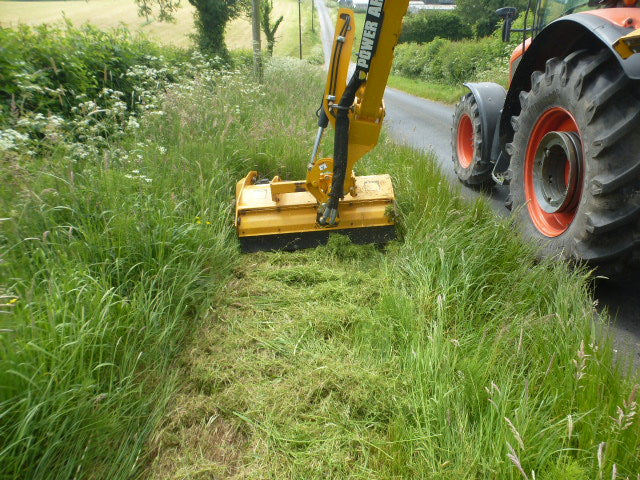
x=553 y=172
x=466 y=148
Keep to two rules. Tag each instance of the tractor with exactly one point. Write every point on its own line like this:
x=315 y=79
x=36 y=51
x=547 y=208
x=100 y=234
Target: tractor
x=565 y=135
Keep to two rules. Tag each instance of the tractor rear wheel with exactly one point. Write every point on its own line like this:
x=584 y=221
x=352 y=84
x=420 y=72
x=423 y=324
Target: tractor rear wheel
x=575 y=161
x=467 y=151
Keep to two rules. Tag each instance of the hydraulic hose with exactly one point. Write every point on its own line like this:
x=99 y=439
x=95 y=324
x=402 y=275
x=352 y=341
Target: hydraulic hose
x=329 y=214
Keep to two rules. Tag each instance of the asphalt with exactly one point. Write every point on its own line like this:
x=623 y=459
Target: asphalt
x=426 y=126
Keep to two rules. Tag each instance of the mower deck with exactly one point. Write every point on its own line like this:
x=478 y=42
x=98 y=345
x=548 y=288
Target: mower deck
x=282 y=215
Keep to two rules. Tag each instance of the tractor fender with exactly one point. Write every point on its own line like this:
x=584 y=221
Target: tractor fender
x=490 y=100
x=558 y=39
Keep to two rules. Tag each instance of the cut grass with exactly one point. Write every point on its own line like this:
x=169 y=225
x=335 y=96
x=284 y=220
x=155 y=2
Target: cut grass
x=450 y=354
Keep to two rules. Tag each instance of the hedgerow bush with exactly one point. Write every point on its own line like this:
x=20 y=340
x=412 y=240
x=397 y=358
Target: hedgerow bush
x=444 y=61
x=454 y=62
x=78 y=90
x=424 y=26
x=45 y=69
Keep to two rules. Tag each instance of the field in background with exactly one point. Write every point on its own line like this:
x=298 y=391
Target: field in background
x=239 y=31
x=102 y=13
x=112 y=13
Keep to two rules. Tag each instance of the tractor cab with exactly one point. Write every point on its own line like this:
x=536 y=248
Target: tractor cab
x=549 y=10
x=541 y=13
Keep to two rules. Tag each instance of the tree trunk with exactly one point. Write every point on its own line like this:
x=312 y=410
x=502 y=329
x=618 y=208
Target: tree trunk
x=257 y=46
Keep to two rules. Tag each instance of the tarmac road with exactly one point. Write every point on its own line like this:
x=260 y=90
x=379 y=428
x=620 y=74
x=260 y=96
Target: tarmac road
x=426 y=125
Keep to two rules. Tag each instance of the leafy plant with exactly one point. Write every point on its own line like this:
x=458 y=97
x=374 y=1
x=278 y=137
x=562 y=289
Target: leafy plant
x=482 y=14
x=269 y=29
x=453 y=63
x=45 y=69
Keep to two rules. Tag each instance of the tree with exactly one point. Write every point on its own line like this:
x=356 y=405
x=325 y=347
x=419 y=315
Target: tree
x=166 y=8
x=482 y=13
x=211 y=18
x=265 y=20
x=257 y=46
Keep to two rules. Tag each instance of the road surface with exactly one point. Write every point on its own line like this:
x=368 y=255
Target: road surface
x=426 y=125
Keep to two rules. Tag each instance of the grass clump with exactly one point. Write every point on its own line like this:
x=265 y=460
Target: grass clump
x=452 y=353
x=452 y=63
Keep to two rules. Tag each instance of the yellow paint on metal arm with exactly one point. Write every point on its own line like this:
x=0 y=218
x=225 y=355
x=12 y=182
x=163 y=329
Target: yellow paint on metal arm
x=369 y=111
x=628 y=45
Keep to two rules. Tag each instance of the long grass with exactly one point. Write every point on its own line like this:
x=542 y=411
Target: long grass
x=107 y=274
x=451 y=353
x=106 y=266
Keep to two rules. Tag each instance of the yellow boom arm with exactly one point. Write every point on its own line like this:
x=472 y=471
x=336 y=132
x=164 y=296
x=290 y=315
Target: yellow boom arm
x=355 y=109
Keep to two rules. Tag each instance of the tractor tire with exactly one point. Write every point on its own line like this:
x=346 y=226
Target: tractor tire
x=575 y=162
x=467 y=148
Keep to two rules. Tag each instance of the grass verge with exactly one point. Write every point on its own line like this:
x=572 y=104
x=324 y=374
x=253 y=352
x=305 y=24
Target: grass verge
x=450 y=354
x=431 y=91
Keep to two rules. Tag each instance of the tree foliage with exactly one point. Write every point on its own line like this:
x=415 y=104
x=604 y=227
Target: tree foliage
x=165 y=8
x=482 y=13
x=266 y=7
x=211 y=19
x=423 y=27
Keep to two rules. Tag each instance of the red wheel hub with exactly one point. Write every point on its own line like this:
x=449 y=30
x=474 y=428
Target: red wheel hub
x=553 y=172
x=466 y=148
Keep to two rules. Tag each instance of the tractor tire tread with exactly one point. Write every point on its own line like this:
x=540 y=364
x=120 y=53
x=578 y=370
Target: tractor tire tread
x=606 y=229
